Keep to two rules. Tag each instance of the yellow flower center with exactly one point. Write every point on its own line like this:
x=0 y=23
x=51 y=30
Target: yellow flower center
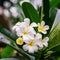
x=42 y=41
x=19 y=41
x=31 y=43
x=25 y=32
x=27 y=25
x=40 y=28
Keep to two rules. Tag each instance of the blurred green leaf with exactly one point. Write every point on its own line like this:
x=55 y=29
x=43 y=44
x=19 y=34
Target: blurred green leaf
x=52 y=15
x=54 y=56
x=54 y=38
x=54 y=3
x=30 y=12
x=7 y=52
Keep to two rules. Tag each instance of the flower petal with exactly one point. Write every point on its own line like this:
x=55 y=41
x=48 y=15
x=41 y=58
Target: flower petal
x=25 y=47
x=33 y=24
x=27 y=20
x=42 y=23
x=31 y=30
x=46 y=27
x=44 y=32
x=45 y=44
x=46 y=39
x=38 y=36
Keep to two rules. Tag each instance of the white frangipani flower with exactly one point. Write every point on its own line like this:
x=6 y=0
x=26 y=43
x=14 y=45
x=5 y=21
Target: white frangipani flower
x=42 y=27
x=32 y=41
x=14 y=12
x=7 y=4
x=42 y=42
x=25 y=29
x=30 y=46
x=6 y=13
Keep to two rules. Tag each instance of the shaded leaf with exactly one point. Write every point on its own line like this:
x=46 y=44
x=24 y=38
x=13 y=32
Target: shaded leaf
x=30 y=12
x=54 y=3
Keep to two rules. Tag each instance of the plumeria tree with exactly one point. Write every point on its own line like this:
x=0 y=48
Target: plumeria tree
x=33 y=37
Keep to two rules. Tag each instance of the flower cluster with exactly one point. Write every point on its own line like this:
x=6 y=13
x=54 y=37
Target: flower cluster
x=31 y=40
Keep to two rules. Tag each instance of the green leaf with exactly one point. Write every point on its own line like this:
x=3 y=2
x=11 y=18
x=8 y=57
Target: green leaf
x=54 y=38
x=54 y=3
x=45 y=11
x=54 y=56
x=30 y=12
x=7 y=52
x=52 y=15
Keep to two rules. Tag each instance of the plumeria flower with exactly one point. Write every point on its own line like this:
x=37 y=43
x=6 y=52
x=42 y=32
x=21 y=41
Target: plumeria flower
x=42 y=27
x=19 y=41
x=30 y=46
x=25 y=29
x=42 y=42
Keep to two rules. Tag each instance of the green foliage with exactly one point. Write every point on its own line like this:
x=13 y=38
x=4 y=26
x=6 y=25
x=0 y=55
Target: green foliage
x=54 y=3
x=30 y=12
x=54 y=38
x=7 y=52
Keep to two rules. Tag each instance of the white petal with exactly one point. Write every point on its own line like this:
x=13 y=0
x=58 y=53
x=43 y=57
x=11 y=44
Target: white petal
x=31 y=50
x=35 y=48
x=42 y=23
x=38 y=36
x=46 y=27
x=45 y=44
x=18 y=24
x=14 y=28
x=46 y=39
x=31 y=30
x=26 y=39
x=33 y=24
x=27 y=20
x=25 y=47
x=38 y=43
x=44 y=32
